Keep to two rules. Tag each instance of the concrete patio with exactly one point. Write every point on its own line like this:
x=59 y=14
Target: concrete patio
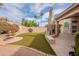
x=63 y=44
x=16 y=50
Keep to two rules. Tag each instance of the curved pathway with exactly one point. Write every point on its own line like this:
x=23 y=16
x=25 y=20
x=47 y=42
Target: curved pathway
x=15 y=50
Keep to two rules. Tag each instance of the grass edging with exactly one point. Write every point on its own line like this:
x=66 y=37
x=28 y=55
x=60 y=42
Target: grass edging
x=50 y=44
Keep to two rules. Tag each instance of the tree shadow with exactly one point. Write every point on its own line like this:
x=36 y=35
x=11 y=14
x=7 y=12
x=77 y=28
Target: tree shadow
x=41 y=44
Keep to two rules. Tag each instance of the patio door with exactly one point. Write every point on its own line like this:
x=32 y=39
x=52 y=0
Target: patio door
x=67 y=27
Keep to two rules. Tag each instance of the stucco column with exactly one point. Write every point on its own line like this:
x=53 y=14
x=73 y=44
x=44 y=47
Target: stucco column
x=56 y=27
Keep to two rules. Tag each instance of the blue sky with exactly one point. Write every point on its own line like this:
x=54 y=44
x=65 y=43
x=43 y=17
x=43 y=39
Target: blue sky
x=17 y=11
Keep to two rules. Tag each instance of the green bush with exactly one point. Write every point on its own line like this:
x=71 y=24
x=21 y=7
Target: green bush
x=76 y=48
x=14 y=28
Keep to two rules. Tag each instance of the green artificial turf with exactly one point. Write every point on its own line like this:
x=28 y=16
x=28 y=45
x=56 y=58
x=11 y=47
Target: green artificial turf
x=37 y=41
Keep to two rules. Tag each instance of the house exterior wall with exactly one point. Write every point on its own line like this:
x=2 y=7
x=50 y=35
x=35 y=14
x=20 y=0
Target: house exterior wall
x=66 y=20
x=65 y=25
x=77 y=24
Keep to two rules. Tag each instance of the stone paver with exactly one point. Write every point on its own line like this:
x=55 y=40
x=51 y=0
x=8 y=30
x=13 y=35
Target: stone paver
x=63 y=44
x=15 y=50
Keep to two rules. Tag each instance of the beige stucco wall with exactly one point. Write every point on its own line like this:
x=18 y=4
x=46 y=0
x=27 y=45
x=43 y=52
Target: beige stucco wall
x=35 y=29
x=65 y=29
x=77 y=18
x=39 y=29
x=78 y=24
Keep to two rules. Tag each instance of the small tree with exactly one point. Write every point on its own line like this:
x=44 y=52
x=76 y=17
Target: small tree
x=29 y=23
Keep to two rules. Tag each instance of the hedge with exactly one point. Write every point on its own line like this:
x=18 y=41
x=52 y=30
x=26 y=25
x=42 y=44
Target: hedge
x=76 y=44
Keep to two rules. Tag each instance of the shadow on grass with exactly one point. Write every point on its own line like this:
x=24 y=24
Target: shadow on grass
x=36 y=41
x=41 y=44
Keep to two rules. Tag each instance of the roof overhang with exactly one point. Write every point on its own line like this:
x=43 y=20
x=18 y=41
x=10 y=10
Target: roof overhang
x=73 y=10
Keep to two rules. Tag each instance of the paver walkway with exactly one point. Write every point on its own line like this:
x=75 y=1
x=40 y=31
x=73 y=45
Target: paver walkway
x=63 y=44
x=15 y=50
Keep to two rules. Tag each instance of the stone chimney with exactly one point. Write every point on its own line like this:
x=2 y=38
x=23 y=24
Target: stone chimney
x=51 y=17
x=51 y=23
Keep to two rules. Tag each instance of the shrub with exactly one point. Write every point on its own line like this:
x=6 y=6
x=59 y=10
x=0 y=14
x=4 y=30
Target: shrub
x=5 y=27
x=13 y=32
x=14 y=28
x=30 y=30
x=76 y=48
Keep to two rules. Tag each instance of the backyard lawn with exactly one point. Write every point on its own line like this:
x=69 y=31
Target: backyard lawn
x=37 y=41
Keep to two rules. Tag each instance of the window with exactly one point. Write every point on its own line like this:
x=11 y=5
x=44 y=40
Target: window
x=74 y=26
x=66 y=24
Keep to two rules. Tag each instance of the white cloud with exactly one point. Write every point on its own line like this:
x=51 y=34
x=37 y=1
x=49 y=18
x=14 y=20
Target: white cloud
x=13 y=10
x=46 y=15
x=17 y=5
x=39 y=7
x=28 y=18
x=58 y=10
x=45 y=23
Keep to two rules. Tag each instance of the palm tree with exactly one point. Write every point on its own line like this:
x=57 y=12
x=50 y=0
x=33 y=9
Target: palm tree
x=41 y=14
x=35 y=16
